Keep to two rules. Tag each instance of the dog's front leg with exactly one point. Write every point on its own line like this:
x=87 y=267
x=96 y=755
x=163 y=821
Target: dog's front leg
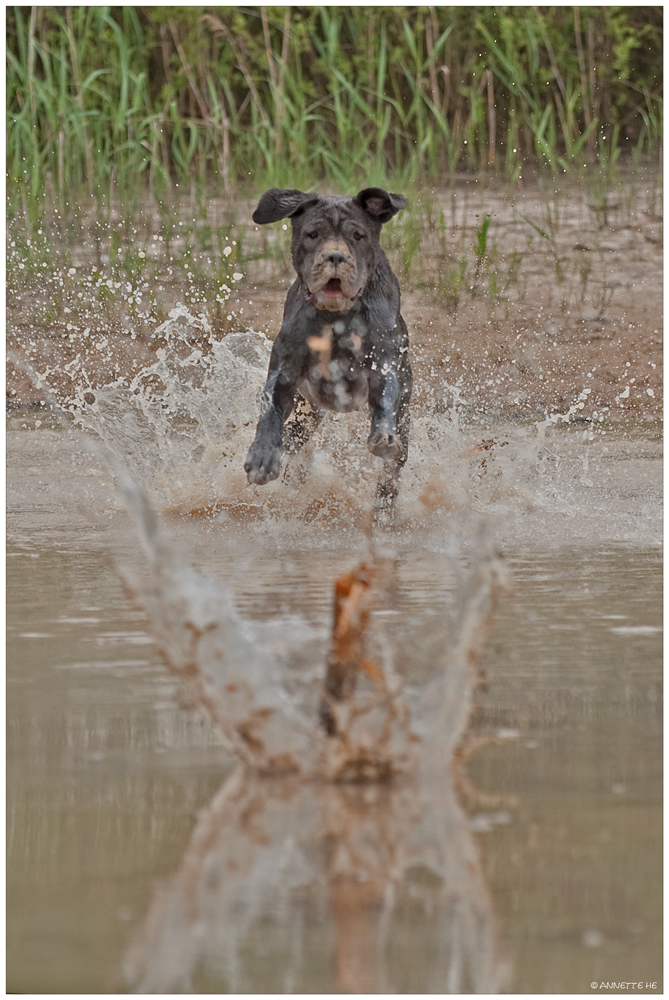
x=263 y=462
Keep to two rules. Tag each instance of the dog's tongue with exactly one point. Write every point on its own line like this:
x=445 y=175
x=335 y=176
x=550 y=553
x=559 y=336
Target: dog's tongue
x=333 y=287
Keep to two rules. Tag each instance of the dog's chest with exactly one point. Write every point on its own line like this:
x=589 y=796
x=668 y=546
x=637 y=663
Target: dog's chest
x=337 y=378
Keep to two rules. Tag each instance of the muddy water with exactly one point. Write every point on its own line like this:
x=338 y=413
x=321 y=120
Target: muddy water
x=138 y=858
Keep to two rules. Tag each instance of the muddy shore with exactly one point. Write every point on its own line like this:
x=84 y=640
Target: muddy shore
x=566 y=300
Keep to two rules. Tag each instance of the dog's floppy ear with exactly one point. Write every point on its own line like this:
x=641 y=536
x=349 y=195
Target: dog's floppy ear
x=277 y=204
x=379 y=204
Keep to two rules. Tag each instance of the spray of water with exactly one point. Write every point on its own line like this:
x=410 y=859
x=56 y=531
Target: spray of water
x=182 y=423
x=264 y=684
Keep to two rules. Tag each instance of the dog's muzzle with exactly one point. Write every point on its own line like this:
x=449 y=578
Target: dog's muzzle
x=332 y=296
x=334 y=282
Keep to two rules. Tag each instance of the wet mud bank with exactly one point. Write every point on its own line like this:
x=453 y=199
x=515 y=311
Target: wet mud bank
x=522 y=298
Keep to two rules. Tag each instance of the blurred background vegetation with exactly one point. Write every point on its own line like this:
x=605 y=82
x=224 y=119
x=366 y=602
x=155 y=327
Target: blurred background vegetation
x=123 y=101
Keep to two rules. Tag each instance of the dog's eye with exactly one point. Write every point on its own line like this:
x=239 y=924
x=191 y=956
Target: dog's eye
x=358 y=236
x=313 y=235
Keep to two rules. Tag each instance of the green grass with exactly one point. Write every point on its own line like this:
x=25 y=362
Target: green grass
x=114 y=103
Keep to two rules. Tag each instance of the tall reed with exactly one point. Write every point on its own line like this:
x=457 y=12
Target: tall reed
x=119 y=100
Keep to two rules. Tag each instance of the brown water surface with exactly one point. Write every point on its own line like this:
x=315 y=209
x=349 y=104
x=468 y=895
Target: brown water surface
x=550 y=874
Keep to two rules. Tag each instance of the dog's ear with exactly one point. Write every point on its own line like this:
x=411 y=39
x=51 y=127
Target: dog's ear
x=379 y=204
x=277 y=204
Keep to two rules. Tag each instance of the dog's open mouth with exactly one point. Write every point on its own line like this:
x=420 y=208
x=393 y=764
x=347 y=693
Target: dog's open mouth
x=332 y=296
x=332 y=289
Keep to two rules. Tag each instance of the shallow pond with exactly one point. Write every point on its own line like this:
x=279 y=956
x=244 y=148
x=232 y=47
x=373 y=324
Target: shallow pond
x=131 y=865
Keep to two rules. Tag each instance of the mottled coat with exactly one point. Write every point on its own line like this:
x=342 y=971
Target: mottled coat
x=343 y=341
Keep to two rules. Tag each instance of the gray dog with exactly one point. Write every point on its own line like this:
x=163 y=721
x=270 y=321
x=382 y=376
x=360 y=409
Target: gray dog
x=343 y=340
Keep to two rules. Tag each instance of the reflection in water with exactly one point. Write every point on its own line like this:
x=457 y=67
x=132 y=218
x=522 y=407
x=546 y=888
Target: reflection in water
x=348 y=832
x=282 y=876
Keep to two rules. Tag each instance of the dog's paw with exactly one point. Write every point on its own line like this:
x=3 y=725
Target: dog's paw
x=263 y=464
x=385 y=443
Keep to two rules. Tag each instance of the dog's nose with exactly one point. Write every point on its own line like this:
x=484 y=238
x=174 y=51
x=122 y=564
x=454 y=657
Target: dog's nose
x=335 y=259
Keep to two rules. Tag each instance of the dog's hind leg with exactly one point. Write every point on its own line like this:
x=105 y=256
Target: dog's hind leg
x=306 y=418
x=297 y=433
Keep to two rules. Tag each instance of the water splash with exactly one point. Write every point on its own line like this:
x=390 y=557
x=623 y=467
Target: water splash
x=183 y=422
x=262 y=684
x=177 y=423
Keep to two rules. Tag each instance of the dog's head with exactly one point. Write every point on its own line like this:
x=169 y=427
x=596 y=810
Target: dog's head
x=335 y=245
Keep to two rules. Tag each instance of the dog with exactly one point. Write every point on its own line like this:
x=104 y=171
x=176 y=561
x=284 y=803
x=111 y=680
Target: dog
x=343 y=341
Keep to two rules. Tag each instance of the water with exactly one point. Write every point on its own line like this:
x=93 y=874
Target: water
x=167 y=622
x=113 y=784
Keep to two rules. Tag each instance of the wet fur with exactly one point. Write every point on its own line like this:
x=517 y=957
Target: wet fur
x=343 y=340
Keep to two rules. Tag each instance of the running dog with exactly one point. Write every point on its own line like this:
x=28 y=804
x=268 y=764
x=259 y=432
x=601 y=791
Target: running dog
x=343 y=341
